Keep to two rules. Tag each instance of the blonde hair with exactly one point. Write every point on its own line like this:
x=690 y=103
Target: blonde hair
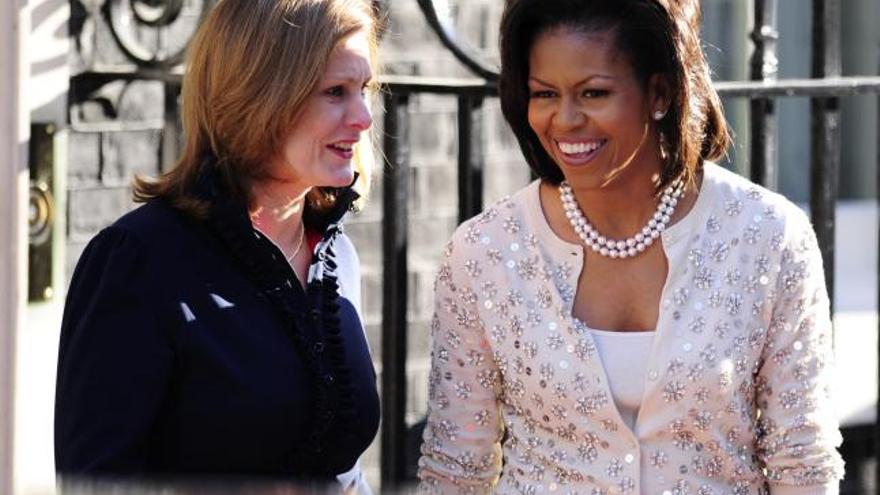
x=250 y=67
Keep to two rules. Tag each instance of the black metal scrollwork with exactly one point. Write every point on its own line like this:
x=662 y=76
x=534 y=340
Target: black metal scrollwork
x=156 y=12
x=154 y=32
x=443 y=25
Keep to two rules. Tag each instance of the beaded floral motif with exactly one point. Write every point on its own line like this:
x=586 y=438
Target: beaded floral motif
x=743 y=326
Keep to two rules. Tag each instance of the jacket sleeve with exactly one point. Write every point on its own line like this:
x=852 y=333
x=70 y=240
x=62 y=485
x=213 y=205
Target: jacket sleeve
x=461 y=449
x=797 y=429
x=114 y=360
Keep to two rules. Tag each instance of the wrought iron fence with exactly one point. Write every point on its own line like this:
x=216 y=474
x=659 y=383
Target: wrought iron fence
x=151 y=62
x=825 y=89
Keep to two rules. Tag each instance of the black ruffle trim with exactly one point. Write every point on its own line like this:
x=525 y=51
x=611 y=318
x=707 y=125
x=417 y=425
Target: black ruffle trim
x=313 y=323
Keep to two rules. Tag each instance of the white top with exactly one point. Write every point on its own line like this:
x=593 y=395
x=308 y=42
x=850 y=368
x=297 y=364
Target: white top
x=348 y=272
x=519 y=402
x=624 y=356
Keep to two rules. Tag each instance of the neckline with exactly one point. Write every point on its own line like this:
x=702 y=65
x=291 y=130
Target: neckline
x=622 y=334
x=669 y=236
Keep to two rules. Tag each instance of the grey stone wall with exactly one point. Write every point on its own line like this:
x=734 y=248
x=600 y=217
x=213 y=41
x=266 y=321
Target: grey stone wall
x=117 y=125
x=101 y=168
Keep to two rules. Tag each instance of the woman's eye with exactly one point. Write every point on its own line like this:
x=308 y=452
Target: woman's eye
x=335 y=91
x=542 y=93
x=595 y=93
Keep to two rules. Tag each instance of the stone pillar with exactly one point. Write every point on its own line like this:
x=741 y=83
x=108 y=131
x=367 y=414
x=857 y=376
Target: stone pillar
x=13 y=181
x=36 y=355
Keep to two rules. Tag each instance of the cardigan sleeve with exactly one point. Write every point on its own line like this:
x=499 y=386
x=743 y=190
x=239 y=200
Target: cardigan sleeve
x=461 y=449
x=797 y=429
x=114 y=360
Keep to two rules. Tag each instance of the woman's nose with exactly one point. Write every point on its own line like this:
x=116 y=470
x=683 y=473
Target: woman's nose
x=569 y=115
x=359 y=115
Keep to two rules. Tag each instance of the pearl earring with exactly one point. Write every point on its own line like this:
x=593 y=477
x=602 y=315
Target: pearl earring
x=659 y=114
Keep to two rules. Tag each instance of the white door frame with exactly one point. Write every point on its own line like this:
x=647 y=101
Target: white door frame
x=14 y=129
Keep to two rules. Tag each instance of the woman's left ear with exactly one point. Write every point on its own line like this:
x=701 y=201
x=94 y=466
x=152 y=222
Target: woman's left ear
x=659 y=98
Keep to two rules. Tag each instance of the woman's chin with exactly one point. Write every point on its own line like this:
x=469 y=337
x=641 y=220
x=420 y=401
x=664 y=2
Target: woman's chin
x=341 y=178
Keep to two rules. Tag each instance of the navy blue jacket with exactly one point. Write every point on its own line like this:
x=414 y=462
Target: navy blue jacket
x=187 y=351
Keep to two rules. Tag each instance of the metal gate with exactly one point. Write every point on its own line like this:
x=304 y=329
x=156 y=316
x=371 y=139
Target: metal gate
x=825 y=89
x=147 y=39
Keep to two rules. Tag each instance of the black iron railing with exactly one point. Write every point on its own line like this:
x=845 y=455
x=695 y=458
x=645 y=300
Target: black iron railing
x=470 y=94
x=825 y=89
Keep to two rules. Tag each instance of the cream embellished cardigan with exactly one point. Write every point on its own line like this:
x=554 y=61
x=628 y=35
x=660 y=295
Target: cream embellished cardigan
x=736 y=385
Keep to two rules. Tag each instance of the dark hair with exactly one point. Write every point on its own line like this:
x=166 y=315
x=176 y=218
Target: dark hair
x=657 y=37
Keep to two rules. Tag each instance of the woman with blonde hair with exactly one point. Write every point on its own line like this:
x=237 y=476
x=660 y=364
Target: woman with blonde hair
x=638 y=320
x=215 y=330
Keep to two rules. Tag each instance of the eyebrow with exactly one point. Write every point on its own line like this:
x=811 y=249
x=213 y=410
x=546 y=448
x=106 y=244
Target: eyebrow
x=348 y=78
x=582 y=81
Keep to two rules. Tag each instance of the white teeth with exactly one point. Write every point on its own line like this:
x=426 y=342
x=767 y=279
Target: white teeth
x=342 y=146
x=571 y=148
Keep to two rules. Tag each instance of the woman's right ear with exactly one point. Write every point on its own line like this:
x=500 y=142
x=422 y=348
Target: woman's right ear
x=659 y=95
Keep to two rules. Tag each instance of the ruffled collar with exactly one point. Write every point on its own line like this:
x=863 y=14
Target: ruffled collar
x=310 y=315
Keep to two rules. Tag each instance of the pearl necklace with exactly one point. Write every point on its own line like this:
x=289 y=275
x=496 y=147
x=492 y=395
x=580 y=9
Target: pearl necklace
x=622 y=248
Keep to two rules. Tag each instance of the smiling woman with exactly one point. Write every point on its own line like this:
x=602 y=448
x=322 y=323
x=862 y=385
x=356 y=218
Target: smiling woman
x=215 y=331
x=319 y=147
x=600 y=86
x=638 y=319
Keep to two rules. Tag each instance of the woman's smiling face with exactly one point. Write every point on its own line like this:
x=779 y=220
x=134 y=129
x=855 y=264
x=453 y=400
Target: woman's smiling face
x=588 y=109
x=318 y=149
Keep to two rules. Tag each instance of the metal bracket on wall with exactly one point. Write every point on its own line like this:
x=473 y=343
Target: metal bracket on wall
x=41 y=212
